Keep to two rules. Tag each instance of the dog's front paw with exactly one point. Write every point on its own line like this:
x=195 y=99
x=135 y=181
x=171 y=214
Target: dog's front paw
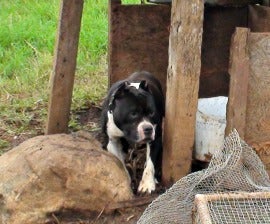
x=147 y=185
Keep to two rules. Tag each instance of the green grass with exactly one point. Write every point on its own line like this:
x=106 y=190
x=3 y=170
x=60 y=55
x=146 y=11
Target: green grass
x=27 y=38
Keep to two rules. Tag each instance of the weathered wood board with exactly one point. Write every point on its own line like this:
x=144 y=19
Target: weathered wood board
x=62 y=78
x=239 y=70
x=255 y=123
x=231 y=2
x=259 y=18
x=219 y=25
x=138 y=40
x=258 y=103
x=182 y=88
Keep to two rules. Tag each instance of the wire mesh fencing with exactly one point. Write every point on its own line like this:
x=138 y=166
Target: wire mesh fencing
x=235 y=168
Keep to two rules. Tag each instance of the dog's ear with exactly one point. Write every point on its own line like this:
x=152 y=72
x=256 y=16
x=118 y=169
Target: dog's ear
x=123 y=87
x=144 y=85
x=118 y=92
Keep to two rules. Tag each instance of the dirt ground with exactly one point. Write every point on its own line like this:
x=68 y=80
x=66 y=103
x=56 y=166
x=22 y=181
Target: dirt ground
x=129 y=212
x=124 y=215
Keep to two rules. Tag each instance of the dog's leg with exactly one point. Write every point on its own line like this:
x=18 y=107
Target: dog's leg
x=115 y=147
x=148 y=181
x=114 y=133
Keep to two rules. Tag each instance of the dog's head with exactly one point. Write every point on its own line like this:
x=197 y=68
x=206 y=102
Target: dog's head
x=132 y=109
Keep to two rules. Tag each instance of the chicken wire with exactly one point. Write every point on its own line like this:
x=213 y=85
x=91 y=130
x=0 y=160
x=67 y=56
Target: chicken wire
x=232 y=208
x=234 y=168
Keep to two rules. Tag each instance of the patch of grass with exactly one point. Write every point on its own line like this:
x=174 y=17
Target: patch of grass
x=129 y=2
x=27 y=37
x=3 y=144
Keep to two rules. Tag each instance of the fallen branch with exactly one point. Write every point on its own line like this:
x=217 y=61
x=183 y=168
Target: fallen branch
x=139 y=201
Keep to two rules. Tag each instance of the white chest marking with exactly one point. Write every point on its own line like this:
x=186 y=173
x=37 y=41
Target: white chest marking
x=114 y=145
x=112 y=129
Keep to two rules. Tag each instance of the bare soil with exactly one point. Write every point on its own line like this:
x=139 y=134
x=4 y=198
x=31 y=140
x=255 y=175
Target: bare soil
x=128 y=212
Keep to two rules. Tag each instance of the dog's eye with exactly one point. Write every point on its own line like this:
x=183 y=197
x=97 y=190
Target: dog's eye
x=151 y=113
x=134 y=114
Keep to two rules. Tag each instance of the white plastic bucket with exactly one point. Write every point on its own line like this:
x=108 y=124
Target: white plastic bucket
x=210 y=126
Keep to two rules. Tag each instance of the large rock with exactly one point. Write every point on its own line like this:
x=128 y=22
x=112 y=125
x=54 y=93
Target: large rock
x=48 y=174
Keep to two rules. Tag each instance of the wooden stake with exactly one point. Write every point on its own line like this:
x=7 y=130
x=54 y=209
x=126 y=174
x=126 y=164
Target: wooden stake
x=182 y=88
x=239 y=73
x=62 y=78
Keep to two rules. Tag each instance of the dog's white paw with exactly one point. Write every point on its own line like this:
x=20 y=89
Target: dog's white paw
x=147 y=185
x=148 y=182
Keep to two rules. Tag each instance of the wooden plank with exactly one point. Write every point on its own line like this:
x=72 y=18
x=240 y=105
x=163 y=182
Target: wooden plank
x=182 y=88
x=138 y=40
x=266 y=2
x=128 y=53
x=232 y=2
x=258 y=106
x=259 y=18
x=219 y=25
x=256 y=130
x=239 y=73
x=62 y=77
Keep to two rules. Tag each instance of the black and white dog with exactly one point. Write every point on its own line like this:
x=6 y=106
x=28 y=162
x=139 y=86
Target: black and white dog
x=132 y=115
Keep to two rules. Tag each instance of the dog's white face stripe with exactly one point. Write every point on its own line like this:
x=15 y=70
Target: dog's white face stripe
x=135 y=84
x=112 y=129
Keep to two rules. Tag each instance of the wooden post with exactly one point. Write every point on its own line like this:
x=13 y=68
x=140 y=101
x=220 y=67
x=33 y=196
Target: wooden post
x=62 y=77
x=182 y=88
x=112 y=4
x=239 y=73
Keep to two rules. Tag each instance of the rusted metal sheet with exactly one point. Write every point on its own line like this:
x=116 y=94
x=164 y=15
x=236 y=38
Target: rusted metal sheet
x=138 y=40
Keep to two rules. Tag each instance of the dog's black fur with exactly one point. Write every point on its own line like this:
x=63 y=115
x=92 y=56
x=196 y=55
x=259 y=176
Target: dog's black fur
x=132 y=114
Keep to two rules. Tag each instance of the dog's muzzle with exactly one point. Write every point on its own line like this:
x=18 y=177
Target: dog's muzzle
x=146 y=132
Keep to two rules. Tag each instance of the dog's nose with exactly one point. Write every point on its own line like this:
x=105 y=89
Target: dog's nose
x=148 y=130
